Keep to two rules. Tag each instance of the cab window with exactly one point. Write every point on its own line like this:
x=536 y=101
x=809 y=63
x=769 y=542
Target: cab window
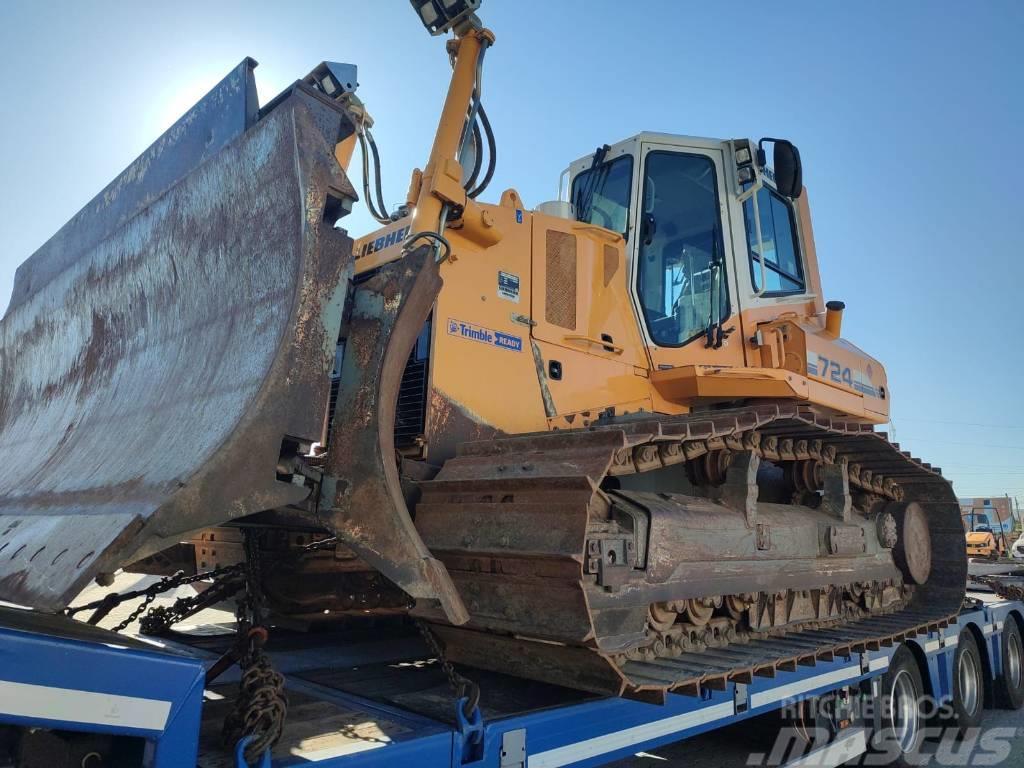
x=783 y=272
x=601 y=195
x=681 y=275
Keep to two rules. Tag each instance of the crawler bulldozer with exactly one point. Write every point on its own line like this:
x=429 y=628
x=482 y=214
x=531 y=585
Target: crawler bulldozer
x=615 y=441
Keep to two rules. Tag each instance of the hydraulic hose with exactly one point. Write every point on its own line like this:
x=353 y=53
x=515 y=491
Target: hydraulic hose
x=492 y=154
x=376 y=175
x=478 y=157
x=364 y=150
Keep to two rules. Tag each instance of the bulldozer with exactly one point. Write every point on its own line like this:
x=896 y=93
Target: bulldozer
x=615 y=442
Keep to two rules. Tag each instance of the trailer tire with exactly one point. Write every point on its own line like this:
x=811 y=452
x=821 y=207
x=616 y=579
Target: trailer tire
x=1010 y=684
x=968 y=683
x=903 y=717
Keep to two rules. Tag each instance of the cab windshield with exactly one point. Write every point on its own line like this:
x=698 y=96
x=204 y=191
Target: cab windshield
x=601 y=195
x=681 y=275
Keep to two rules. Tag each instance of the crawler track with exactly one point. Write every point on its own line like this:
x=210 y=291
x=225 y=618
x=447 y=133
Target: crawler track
x=642 y=556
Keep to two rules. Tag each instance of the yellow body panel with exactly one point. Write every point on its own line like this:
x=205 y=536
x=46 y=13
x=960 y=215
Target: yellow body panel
x=556 y=291
x=839 y=375
x=482 y=370
x=536 y=326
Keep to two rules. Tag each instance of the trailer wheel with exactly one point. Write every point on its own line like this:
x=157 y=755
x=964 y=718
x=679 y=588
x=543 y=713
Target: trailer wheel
x=1010 y=684
x=902 y=704
x=968 y=683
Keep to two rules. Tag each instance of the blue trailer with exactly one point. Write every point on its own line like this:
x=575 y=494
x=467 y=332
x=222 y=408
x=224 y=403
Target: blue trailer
x=373 y=697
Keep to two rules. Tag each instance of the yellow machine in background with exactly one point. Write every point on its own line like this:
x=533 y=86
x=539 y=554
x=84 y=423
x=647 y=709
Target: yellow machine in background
x=984 y=538
x=981 y=543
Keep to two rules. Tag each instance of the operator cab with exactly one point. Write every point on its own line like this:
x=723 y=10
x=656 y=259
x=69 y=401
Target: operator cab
x=711 y=232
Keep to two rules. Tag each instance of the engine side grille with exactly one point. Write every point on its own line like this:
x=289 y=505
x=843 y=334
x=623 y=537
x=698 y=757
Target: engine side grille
x=560 y=288
x=410 y=417
x=411 y=413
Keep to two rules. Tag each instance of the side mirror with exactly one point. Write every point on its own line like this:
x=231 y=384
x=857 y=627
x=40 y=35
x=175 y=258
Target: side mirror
x=789 y=174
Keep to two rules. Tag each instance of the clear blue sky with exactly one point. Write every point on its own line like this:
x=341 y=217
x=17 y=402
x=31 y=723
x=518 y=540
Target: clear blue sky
x=908 y=116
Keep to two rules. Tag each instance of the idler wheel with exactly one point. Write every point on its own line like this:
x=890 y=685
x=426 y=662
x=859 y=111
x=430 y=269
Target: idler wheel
x=913 y=550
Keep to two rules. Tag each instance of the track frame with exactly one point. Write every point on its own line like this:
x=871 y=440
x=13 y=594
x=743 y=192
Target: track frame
x=511 y=519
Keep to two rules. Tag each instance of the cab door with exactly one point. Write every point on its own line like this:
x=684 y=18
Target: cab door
x=581 y=295
x=776 y=271
x=683 y=256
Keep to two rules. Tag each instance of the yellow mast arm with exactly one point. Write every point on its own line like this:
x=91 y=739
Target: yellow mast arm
x=438 y=186
x=437 y=190
x=434 y=191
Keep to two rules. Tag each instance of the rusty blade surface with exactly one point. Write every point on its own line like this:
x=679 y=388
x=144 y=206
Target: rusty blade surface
x=161 y=347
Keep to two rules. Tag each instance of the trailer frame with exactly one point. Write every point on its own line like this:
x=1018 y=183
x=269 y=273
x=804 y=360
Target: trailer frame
x=62 y=675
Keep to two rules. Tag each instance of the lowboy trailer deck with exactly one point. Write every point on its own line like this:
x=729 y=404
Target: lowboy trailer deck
x=375 y=696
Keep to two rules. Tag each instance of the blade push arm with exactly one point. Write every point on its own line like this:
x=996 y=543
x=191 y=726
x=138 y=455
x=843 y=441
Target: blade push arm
x=361 y=497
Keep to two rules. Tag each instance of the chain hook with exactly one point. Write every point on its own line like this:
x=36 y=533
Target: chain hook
x=470 y=722
x=467 y=692
x=240 y=760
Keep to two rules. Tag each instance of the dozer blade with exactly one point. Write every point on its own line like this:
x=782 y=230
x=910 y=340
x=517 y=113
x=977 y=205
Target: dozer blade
x=166 y=346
